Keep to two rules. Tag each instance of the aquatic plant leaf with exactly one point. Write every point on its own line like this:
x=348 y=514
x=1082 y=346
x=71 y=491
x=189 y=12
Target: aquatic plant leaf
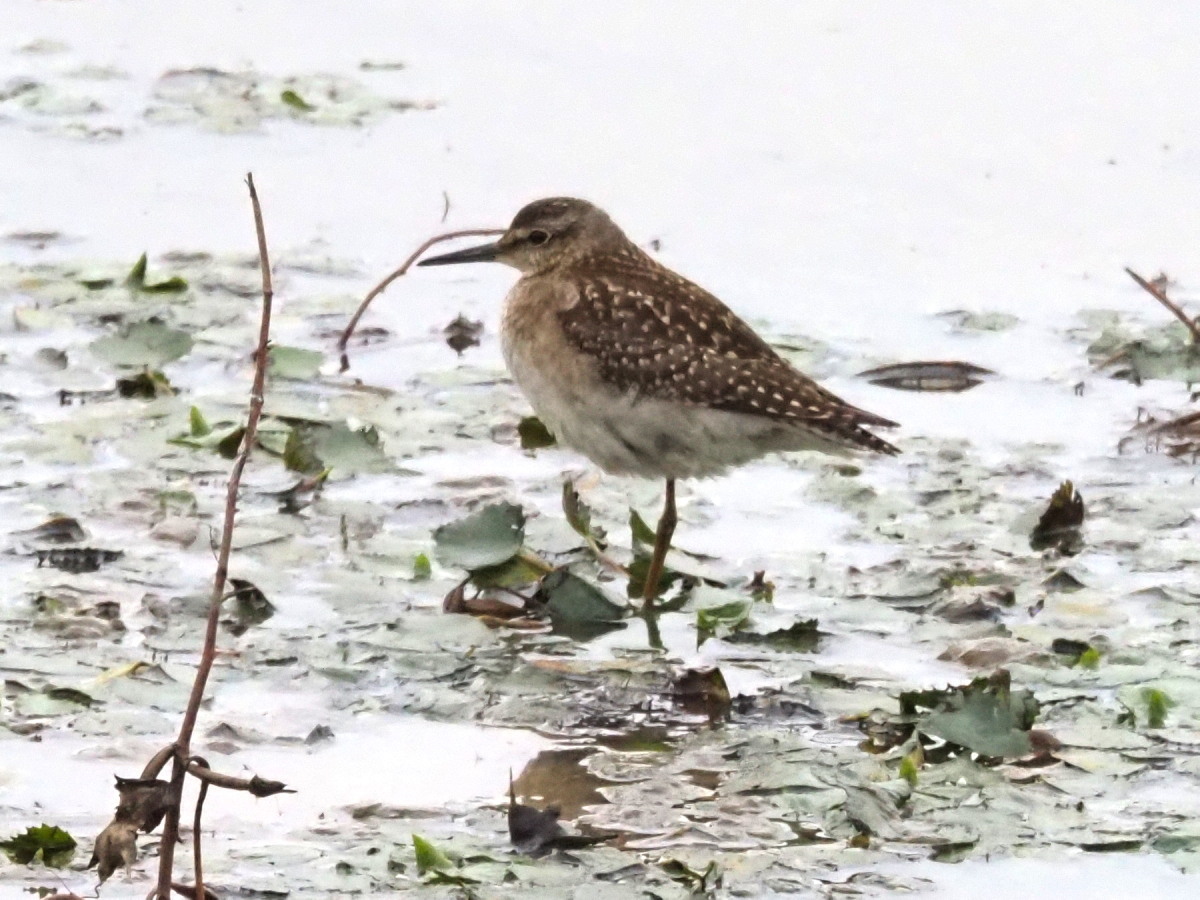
x=569 y=598
x=945 y=376
x=197 y=425
x=534 y=434
x=295 y=101
x=136 y=280
x=298 y=453
x=985 y=717
x=1060 y=525
x=48 y=843
x=150 y=343
x=487 y=537
x=350 y=450
x=723 y=619
x=579 y=514
x=802 y=636
x=137 y=275
x=422 y=568
x=429 y=857
x=294 y=362
x=250 y=606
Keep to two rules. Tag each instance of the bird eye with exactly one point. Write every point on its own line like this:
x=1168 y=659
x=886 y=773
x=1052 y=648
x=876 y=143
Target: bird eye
x=537 y=238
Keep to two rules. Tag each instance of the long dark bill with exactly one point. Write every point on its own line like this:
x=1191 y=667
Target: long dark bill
x=482 y=253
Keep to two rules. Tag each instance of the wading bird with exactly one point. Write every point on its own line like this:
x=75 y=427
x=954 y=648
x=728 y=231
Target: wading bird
x=642 y=371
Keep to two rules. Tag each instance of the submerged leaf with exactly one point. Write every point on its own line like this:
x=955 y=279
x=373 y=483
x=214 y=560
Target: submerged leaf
x=488 y=537
x=294 y=362
x=150 y=343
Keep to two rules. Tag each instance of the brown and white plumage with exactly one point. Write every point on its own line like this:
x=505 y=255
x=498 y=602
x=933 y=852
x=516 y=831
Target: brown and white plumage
x=641 y=370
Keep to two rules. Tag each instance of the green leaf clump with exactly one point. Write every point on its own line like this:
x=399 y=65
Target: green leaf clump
x=136 y=280
x=986 y=716
x=50 y=844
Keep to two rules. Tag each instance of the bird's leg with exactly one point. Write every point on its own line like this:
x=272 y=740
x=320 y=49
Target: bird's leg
x=662 y=543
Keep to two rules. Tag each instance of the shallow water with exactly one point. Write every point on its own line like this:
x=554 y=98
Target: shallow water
x=862 y=178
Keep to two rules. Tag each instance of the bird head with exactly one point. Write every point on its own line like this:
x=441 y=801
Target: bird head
x=544 y=234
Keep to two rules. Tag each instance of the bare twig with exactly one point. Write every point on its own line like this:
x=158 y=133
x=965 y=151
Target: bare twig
x=157 y=761
x=197 y=857
x=170 y=833
x=382 y=286
x=1160 y=295
x=259 y=787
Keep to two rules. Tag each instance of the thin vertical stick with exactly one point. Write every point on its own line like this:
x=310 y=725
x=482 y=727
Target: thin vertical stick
x=170 y=833
x=1161 y=296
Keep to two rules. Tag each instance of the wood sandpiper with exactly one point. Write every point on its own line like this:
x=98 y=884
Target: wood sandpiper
x=642 y=371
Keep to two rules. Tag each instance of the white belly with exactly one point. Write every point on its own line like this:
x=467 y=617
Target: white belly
x=629 y=435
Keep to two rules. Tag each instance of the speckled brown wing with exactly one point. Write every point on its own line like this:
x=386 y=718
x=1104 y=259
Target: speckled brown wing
x=646 y=338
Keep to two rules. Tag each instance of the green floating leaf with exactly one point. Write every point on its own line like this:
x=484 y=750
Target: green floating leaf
x=488 y=537
x=534 y=434
x=294 y=362
x=429 y=857
x=197 y=425
x=422 y=568
x=570 y=599
x=298 y=453
x=312 y=447
x=136 y=280
x=1157 y=703
x=985 y=717
x=513 y=573
x=49 y=843
x=150 y=343
x=722 y=620
x=226 y=441
x=137 y=275
x=295 y=101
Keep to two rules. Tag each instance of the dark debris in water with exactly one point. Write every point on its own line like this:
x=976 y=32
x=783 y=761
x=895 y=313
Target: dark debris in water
x=1060 y=527
x=944 y=376
x=462 y=334
x=77 y=560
